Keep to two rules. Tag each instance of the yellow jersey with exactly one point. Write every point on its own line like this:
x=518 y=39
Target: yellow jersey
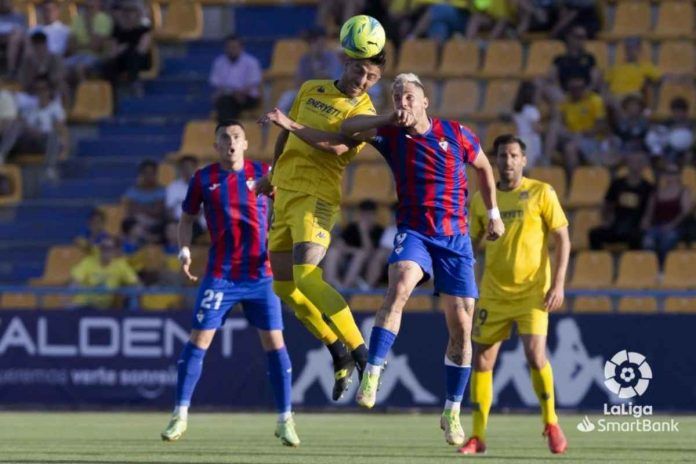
x=91 y=273
x=630 y=77
x=517 y=264
x=301 y=168
x=582 y=115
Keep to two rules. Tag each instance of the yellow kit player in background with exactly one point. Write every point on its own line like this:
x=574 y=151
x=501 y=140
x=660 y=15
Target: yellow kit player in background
x=311 y=155
x=517 y=287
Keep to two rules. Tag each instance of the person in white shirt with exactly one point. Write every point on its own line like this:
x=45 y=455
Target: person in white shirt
x=58 y=33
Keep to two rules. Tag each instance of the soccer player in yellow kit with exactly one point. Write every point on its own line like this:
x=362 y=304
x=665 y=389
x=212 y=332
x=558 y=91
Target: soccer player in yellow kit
x=517 y=287
x=311 y=155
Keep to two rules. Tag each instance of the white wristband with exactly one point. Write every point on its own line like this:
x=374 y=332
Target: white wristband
x=184 y=253
x=494 y=213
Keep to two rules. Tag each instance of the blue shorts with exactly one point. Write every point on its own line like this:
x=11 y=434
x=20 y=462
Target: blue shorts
x=217 y=297
x=449 y=260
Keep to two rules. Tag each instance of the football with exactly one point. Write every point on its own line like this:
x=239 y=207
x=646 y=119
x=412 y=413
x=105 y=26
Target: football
x=362 y=36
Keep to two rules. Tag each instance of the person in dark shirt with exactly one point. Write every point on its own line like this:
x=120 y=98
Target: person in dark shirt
x=576 y=61
x=130 y=45
x=624 y=205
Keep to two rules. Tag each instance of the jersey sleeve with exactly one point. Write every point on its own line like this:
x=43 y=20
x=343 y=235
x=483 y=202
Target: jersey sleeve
x=80 y=271
x=194 y=196
x=477 y=215
x=551 y=210
x=471 y=145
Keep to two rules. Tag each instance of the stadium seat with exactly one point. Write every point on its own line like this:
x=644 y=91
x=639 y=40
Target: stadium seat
x=418 y=56
x=600 y=50
x=592 y=304
x=676 y=57
x=183 y=21
x=459 y=58
x=59 y=262
x=197 y=140
x=493 y=130
x=637 y=270
x=114 y=217
x=286 y=54
x=56 y=301
x=68 y=12
x=279 y=86
x=460 y=98
x=93 y=101
x=499 y=98
x=420 y=303
x=675 y=304
x=503 y=59
x=670 y=90
x=588 y=187
x=630 y=19
x=593 y=269
x=366 y=302
x=149 y=258
x=583 y=221
x=689 y=178
x=631 y=304
x=18 y=300
x=371 y=181
x=553 y=175
x=678 y=272
x=28 y=9
x=675 y=20
x=540 y=58
x=161 y=301
x=12 y=175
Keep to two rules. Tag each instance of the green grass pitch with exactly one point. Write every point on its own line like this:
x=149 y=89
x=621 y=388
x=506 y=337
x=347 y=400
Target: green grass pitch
x=366 y=438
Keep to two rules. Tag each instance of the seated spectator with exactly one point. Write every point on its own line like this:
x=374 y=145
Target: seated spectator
x=93 y=233
x=398 y=17
x=8 y=109
x=176 y=192
x=89 y=35
x=493 y=15
x=133 y=236
x=236 y=78
x=535 y=15
x=527 y=118
x=104 y=270
x=129 y=49
x=573 y=13
x=57 y=33
x=629 y=125
x=319 y=62
x=40 y=63
x=12 y=27
x=575 y=62
x=624 y=206
x=144 y=202
x=669 y=205
x=355 y=246
x=331 y=14
x=40 y=128
x=672 y=142
x=632 y=76
x=443 y=20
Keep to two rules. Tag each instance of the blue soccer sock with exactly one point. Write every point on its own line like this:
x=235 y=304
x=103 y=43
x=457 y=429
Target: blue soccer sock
x=456 y=379
x=381 y=341
x=280 y=375
x=190 y=366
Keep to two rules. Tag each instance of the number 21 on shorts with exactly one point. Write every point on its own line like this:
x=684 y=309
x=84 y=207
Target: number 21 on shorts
x=211 y=300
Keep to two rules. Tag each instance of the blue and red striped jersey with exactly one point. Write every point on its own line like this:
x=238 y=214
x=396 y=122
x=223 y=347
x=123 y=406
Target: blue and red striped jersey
x=430 y=174
x=237 y=220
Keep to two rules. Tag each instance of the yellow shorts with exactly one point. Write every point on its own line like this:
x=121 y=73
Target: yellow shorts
x=299 y=217
x=493 y=320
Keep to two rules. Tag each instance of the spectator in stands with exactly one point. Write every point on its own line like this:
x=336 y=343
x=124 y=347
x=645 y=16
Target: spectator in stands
x=527 y=118
x=236 y=78
x=398 y=17
x=573 y=13
x=105 y=270
x=129 y=50
x=624 y=206
x=442 y=20
x=669 y=205
x=144 y=202
x=629 y=125
x=575 y=62
x=331 y=14
x=377 y=265
x=93 y=233
x=40 y=63
x=176 y=192
x=355 y=246
x=8 y=109
x=672 y=142
x=495 y=15
x=12 y=27
x=57 y=33
x=89 y=35
x=633 y=76
x=133 y=236
x=40 y=128
x=535 y=15
x=319 y=62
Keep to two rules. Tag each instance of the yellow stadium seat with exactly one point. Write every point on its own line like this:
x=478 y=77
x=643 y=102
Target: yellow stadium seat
x=499 y=98
x=459 y=58
x=670 y=90
x=600 y=50
x=198 y=139
x=676 y=57
x=155 y=64
x=161 y=301
x=593 y=269
x=279 y=86
x=679 y=267
x=59 y=262
x=286 y=55
x=366 y=303
x=56 y=301
x=689 y=178
x=493 y=131
x=675 y=19
x=420 y=303
x=588 y=186
x=148 y=258
x=553 y=175
x=166 y=173
x=418 y=56
x=460 y=98
x=541 y=55
x=630 y=19
x=592 y=304
x=675 y=304
x=68 y=12
x=11 y=174
x=503 y=59
x=182 y=21
x=114 y=217
x=371 y=181
x=28 y=9
x=93 y=101
x=631 y=304
x=637 y=270
x=18 y=300
x=583 y=221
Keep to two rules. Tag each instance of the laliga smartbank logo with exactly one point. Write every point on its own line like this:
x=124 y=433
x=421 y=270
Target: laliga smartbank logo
x=627 y=375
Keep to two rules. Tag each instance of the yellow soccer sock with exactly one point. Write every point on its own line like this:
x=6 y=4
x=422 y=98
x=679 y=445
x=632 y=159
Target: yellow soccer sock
x=309 y=280
x=542 y=381
x=481 y=399
x=304 y=310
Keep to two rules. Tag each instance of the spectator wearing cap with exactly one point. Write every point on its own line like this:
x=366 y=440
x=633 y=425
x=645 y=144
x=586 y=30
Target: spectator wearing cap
x=57 y=33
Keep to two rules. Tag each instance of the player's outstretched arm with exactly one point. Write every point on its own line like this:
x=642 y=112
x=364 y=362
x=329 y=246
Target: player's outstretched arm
x=556 y=294
x=330 y=142
x=185 y=237
x=364 y=126
x=486 y=183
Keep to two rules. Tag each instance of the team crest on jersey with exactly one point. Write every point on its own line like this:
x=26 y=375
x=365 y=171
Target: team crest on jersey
x=400 y=238
x=321 y=89
x=200 y=316
x=251 y=184
x=443 y=144
x=524 y=195
x=213 y=187
x=398 y=250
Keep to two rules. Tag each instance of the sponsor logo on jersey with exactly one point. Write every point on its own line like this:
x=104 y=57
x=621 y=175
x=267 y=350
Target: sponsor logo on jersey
x=323 y=107
x=213 y=186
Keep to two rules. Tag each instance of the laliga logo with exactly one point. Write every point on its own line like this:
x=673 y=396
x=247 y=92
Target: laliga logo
x=627 y=374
